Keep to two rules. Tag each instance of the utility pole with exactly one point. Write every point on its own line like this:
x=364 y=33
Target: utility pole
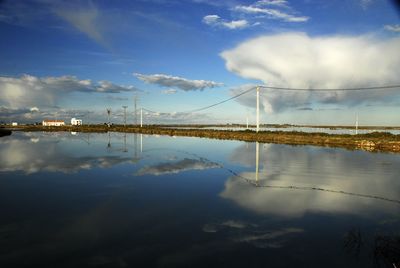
x=124 y=114
x=108 y=113
x=357 y=124
x=141 y=117
x=258 y=109
x=136 y=99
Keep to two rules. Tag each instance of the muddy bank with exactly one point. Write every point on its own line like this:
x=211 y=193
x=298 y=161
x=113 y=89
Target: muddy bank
x=375 y=142
x=5 y=132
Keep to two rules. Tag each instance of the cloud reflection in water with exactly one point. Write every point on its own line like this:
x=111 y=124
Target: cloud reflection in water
x=28 y=153
x=345 y=172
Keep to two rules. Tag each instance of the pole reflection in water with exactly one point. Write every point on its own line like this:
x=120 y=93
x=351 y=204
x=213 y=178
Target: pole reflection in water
x=257 y=161
x=135 y=144
x=125 y=149
x=141 y=142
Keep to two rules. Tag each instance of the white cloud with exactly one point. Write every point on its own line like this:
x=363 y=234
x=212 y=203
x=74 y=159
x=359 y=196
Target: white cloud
x=272 y=2
x=108 y=87
x=300 y=61
x=177 y=167
x=280 y=10
x=177 y=82
x=85 y=18
x=393 y=28
x=177 y=117
x=271 y=13
x=169 y=91
x=216 y=21
x=34 y=109
x=30 y=91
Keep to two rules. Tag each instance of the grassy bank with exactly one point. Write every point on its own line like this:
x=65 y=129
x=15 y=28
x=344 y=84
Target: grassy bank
x=378 y=141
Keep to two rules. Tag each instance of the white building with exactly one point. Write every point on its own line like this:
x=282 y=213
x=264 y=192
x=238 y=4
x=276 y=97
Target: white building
x=76 y=122
x=53 y=123
x=14 y=124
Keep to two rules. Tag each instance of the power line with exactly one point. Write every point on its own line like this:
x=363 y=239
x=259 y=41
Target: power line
x=281 y=88
x=218 y=103
x=331 y=89
x=209 y=106
x=151 y=111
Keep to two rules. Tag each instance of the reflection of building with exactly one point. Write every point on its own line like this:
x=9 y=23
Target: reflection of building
x=76 y=122
x=53 y=123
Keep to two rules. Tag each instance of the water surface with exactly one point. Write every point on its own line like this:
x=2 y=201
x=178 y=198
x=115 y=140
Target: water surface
x=124 y=200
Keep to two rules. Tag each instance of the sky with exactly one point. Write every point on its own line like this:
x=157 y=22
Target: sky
x=61 y=59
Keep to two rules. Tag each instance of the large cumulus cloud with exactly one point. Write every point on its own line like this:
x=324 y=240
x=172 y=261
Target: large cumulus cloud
x=300 y=61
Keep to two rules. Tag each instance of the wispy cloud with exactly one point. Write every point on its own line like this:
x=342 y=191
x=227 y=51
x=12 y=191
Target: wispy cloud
x=116 y=98
x=174 y=117
x=392 y=28
x=316 y=62
x=177 y=167
x=282 y=3
x=177 y=82
x=216 y=21
x=254 y=14
x=85 y=18
x=30 y=91
x=169 y=91
x=365 y=3
x=272 y=10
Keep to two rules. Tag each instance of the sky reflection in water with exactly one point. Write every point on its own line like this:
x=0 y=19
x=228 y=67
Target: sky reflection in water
x=118 y=200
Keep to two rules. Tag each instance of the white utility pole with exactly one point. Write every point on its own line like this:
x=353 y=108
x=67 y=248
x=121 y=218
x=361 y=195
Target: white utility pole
x=258 y=108
x=141 y=117
x=108 y=113
x=136 y=99
x=124 y=114
x=356 y=124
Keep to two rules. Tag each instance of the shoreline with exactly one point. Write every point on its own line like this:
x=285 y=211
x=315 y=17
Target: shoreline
x=373 y=142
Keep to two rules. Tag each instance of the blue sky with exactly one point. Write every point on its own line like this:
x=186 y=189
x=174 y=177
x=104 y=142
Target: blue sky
x=74 y=58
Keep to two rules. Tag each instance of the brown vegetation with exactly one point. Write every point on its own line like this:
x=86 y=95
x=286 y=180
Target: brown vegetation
x=377 y=141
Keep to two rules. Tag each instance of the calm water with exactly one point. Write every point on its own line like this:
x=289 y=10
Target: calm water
x=115 y=200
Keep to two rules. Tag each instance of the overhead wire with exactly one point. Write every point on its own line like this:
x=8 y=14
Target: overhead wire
x=331 y=89
x=218 y=103
x=207 y=107
x=280 y=88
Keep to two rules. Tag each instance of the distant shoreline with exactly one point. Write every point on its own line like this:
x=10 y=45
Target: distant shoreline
x=373 y=142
